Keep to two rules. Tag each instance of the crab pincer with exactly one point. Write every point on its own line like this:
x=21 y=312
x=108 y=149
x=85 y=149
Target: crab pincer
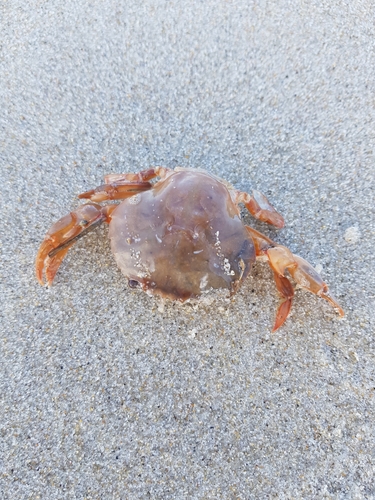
x=281 y=259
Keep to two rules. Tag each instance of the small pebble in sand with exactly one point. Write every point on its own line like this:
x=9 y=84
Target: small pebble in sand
x=352 y=234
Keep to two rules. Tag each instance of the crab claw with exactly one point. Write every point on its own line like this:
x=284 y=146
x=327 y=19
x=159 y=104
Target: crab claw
x=115 y=191
x=62 y=235
x=281 y=259
x=306 y=277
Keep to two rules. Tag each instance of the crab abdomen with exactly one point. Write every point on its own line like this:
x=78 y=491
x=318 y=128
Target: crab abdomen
x=182 y=238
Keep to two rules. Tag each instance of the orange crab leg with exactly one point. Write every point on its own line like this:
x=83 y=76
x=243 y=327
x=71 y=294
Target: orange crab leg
x=115 y=191
x=122 y=186
x=63 y=234
x=142 y=176
x=306 y=277
x=260 y=208
x=286 y=291
x=281 y=259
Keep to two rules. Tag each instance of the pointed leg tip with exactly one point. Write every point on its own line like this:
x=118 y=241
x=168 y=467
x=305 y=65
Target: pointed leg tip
x=276 y=220
x=277 y=325
x=339 y=310
x=89 y=195
x=40 y=280
x=39 y=271
x=332 y=300
x=282 y=313
x=86 y=195
x=273 y=218
x=279 y=321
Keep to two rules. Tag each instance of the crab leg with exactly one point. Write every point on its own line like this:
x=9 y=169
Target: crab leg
x=260 y=208
x=281 y=259
x=64 y=233
x=121 y=186
x=286 y=291
x=142 y=176
x=306 y=277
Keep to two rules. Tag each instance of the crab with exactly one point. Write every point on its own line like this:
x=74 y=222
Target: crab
x=181 y=236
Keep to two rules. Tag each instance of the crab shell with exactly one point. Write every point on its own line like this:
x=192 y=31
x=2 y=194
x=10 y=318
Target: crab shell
x=182 y=237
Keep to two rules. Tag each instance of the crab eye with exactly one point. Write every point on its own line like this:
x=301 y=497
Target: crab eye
x=133 y=283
